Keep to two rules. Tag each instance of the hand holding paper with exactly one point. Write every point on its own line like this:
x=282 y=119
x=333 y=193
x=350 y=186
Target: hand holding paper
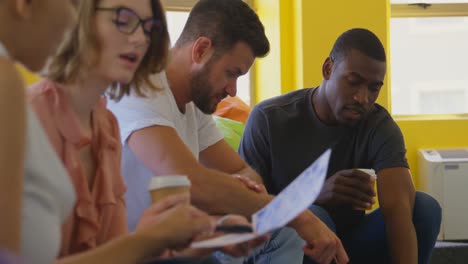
x=287 y=205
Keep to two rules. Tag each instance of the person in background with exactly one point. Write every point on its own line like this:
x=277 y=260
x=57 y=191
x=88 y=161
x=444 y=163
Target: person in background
x=36 y=194
x=283 y=135
x=171 y=132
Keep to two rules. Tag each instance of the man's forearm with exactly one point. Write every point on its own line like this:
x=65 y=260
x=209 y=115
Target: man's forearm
x=402 y=237
x=219 y=193
x=247 y=171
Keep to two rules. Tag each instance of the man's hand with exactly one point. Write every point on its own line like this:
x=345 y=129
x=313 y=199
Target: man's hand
x=352 y=187
x=251 y=184
x=242 y=249
x=322 y=244
x=237 y=250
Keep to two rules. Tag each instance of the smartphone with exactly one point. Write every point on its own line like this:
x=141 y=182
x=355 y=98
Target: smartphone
x=234 y=229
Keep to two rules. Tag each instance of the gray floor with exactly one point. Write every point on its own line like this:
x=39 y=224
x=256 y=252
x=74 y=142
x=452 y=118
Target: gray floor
x=450 y=253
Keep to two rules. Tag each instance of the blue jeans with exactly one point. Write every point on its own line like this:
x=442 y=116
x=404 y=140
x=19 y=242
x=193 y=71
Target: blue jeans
x=367 y=243
x=284 y=246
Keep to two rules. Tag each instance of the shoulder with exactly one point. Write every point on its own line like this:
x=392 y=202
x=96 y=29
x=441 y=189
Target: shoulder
x=284 y=101
x=283 y=107
x=379 y=126
x=380 y=118
x=11 y=83
x=41 y=94
x=153 y=102
x=42 y=97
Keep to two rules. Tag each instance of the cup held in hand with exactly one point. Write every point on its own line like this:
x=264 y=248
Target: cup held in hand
x=161 y=187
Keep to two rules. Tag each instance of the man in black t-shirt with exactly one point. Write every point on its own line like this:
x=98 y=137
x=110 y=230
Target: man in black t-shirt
x=286 y=134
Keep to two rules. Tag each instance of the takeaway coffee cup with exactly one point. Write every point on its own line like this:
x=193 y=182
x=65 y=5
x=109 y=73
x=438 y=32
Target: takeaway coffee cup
x=163 y=186
x=372 y=174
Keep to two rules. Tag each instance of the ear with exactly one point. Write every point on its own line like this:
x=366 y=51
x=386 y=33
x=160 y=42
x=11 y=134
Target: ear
x=22 y=8
x=327 y=68
x=202 y=50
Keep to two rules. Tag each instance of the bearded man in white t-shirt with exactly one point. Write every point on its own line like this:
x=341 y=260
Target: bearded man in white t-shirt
x=172 y=132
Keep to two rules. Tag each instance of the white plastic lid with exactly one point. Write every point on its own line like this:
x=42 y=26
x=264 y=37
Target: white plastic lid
x=160 y=182
x=371 y=172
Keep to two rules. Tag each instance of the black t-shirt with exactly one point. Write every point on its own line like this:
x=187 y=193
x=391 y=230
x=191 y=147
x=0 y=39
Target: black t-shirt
x=283 y=136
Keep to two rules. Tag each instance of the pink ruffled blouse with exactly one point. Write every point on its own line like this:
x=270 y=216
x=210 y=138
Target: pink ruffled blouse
x=99 y=214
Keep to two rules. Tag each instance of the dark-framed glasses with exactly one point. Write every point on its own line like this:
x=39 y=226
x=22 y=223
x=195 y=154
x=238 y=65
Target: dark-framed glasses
x=127 y=21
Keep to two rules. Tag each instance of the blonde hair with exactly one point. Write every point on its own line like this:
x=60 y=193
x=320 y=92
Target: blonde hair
x=81 y=48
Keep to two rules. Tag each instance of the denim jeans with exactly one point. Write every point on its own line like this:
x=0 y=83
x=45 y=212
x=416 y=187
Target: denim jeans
x=367 y=243
x=284 y=247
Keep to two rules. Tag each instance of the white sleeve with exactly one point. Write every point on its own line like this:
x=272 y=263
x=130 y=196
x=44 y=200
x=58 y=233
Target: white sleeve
x=134 y=113
x=208 y=133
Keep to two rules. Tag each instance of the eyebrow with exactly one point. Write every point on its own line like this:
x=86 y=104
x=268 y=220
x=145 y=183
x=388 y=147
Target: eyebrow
x=355 y=74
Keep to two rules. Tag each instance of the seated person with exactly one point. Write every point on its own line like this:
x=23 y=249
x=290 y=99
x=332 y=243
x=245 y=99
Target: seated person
x=35 y=192
x=131 y=37
x=285 y=134
x=169 y=132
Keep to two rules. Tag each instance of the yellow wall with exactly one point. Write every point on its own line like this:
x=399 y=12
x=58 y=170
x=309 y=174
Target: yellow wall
x=279 y=19
x=306 y=30
x=443 y=133
x=324 y=21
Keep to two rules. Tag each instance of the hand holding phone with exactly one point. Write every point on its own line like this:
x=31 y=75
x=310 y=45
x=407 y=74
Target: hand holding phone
x=234 y=229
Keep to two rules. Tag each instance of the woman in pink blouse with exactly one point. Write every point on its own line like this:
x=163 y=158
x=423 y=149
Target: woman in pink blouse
x=117 y=43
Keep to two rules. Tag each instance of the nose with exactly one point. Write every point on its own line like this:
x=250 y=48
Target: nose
x=139 y=37
x=231 y=88
x=362 y=95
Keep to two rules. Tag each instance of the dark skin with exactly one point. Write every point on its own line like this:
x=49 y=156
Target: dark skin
x=348 y=187
x=350 y=87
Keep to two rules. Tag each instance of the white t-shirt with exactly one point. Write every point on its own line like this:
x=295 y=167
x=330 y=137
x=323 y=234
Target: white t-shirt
x=48 y=195
x=197 y=130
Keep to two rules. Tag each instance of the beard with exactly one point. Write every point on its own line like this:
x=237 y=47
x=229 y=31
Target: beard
x=202 y=92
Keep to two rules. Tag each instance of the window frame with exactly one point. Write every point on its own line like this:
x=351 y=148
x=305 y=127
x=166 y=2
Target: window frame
x=431 y=10
x=186 y=6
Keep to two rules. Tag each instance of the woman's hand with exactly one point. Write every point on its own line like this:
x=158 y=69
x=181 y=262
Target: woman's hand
x=175 y=222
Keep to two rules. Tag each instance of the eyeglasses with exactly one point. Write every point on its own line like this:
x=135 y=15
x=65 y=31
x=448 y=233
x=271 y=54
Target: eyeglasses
x=127 y=21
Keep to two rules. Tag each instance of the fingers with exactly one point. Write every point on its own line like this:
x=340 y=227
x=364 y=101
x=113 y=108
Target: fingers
x=251 y=184
x=323 y=251
x=258 y=241
x=195 y=212
x=202 y=225
x=365 y=186
x=334 y=251
x=317 y=253
x=347 y=195
x=341 y=257
x=238 y=250
x=234 y=220
x=168 y=203
x=356 y=174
